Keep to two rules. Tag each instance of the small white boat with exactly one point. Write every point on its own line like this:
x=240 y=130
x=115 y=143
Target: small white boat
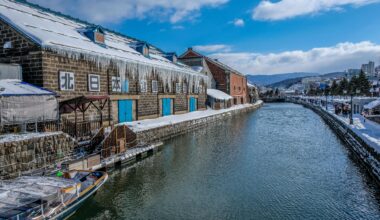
x=39 y=197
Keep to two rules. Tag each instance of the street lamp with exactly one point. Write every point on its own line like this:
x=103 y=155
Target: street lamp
x=351 y=112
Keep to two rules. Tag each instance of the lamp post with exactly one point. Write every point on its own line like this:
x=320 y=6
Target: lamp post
x=344 y=98
x=351 y=115
x=357 y=91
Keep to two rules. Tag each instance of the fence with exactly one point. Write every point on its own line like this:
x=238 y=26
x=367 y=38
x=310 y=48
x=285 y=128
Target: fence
x=30 y=126
x=120 y=138
x=81 y=130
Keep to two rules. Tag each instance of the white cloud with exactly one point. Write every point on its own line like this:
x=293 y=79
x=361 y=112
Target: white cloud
x=213 y=48
x=113 y=11
x=284 y=9
x=323 y=60
x=239 y=22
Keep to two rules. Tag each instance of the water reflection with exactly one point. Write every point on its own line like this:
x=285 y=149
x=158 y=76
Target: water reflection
x=281 y=162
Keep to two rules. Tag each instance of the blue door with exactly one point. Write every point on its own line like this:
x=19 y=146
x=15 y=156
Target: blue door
x=193 y=104
x=125 y=111
x=166 y=106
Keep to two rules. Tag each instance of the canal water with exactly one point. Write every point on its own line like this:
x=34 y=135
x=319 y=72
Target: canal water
x=280 y=162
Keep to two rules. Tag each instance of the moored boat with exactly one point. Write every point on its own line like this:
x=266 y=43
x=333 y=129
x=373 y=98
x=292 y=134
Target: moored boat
x=40 y=197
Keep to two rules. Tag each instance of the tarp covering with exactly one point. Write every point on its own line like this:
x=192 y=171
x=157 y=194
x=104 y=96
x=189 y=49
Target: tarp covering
x=21 y=102
x=14 y=87
x=28 y=109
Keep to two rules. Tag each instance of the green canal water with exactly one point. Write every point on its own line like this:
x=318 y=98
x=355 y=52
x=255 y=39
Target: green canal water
x=280 y=162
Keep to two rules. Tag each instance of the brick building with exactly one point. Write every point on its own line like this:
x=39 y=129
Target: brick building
x=97 y=73
x=223 y=77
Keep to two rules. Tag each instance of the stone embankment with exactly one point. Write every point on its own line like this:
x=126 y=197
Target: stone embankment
x=23 y=153
x=365 y=154
x=37 y=152
x=165 y=132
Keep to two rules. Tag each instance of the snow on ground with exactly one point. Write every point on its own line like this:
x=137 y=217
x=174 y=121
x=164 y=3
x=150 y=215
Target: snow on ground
x=24 y=136
x=368 y=130
x=147 y=124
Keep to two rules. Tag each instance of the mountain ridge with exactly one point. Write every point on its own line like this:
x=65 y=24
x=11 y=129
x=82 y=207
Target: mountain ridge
x=264 y=80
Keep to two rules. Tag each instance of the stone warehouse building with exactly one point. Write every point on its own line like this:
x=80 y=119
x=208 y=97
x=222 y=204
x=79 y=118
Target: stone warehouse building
x=222 y=77
x=97 y=73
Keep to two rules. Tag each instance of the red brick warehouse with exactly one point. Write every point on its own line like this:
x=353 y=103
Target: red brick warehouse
x=223 y=78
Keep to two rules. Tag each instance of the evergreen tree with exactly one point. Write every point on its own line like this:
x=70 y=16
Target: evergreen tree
x=334 y=88
x=343 y=86
x=353 y=84
x=327 y=90
x=363 y=84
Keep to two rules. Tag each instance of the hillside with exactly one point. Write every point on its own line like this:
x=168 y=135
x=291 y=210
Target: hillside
x=288 y=82
x=264 y=80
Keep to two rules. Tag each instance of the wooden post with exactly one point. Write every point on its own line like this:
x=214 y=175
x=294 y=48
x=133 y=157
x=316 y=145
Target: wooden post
x=75 y=124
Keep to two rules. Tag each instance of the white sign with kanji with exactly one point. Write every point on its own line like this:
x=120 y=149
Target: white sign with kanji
x=116 y=84
x=66 y=81
x=93 y=83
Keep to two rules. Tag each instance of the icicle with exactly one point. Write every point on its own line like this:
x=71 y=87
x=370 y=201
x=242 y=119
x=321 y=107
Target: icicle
x=128 y=68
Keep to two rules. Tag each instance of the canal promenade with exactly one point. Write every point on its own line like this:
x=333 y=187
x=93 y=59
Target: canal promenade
x=163 y=128
x=361 y=137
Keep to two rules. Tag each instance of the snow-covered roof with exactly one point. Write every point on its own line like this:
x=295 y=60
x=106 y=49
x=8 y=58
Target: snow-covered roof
x=250 y=85
x=12 y=87
x=197 y=68
x=215 y=61
x=372 y=104
x=66 y=36
x=217 y=94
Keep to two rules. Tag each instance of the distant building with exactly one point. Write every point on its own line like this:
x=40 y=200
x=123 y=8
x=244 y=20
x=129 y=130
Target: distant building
x=377 y=71
x=298 y=88
x=369 y=69
x=352 y=72
x=311 y=82
x=253 y=93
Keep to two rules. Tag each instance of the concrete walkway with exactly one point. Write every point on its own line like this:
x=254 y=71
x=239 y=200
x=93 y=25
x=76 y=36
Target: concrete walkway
x=138 y=126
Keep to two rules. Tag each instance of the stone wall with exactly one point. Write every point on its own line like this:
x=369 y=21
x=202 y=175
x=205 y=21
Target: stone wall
x=20 y=155
x=365 y=154
x=23 y=52
x=53 y=64
x=169 y=131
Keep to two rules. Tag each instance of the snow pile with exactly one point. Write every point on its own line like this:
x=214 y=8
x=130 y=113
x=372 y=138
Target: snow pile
x=9 y=87
x=217 y=94
x=66 y=37
x=373 y=104
x=138 y=126
x=24 y=136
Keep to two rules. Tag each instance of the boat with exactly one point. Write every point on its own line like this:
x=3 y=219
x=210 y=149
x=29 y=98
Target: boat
x=48 y=197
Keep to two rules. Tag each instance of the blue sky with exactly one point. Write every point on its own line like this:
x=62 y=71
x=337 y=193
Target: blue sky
x=254 y=36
